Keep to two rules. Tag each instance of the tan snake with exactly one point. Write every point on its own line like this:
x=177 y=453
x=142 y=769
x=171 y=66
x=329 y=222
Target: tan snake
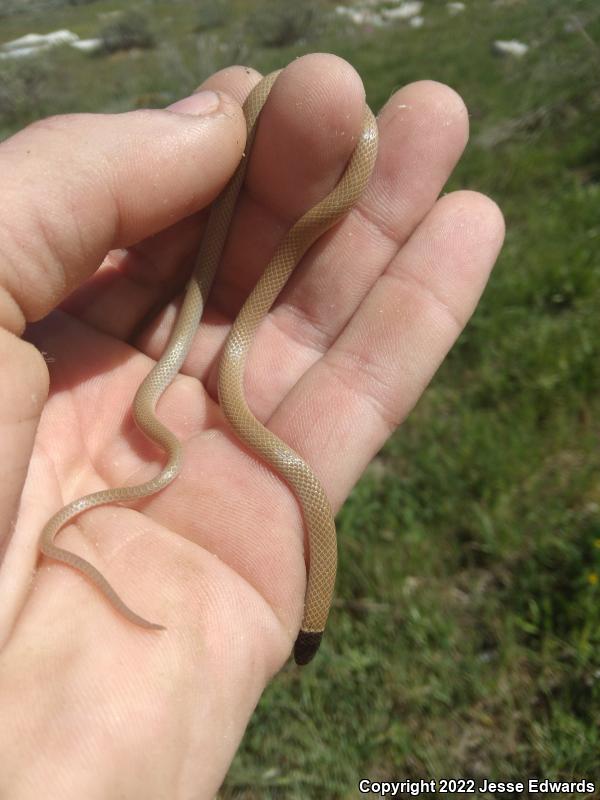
x=317 y=513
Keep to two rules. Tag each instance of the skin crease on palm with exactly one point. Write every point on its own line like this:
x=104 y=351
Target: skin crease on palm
x=90 y=704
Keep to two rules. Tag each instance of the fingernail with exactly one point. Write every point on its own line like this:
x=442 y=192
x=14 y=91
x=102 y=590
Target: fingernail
x=200 y=103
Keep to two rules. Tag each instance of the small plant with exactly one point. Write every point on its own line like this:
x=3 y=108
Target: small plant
x=127 y=30
x=277 y=25
x=8 y=8
x=23 y=88
x=215 y=54
x=213 y=15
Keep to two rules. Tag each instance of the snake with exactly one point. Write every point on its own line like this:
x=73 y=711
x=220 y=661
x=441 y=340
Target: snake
x=317 y=514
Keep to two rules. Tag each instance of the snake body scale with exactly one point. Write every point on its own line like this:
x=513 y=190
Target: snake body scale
x=317 y=513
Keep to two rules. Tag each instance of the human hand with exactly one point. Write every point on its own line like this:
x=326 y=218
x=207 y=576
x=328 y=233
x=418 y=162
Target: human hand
x=217 y=557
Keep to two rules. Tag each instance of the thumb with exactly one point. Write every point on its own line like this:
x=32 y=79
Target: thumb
x=77 y=186
x=74 y=187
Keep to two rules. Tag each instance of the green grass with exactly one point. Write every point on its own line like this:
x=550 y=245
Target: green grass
x=465 y=639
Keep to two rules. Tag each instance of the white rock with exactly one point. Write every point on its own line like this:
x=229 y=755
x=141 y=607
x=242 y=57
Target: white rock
x=455 y=8
x=359 y=16
x=33 y=42
x=29 y=40
x=87 y=45
x=38 y=40
x=510 y=48
x=417 y=22
x=61 y=37
x=352 y=13
x=21 y=52
x=404 y=11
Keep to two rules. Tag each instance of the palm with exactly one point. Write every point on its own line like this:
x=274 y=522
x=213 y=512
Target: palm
x=222 y=502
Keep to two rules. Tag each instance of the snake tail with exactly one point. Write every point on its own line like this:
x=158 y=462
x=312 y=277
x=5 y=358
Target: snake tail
x=306 y=646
